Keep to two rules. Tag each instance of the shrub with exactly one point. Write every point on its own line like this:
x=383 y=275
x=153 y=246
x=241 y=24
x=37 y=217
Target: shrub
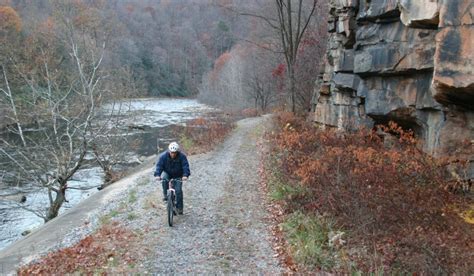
x=200 y=135
x=249 y=112
x=382 y=188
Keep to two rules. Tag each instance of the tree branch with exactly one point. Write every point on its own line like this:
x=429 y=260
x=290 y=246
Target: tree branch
x=13 y=106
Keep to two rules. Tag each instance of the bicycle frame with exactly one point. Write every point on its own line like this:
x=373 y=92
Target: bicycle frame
x=170 y=188
x=171 y=195
x=170 y=185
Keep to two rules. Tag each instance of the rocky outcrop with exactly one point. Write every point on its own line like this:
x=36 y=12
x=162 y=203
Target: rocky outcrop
x=453 y=78
x=410 y=61
x=422 y=13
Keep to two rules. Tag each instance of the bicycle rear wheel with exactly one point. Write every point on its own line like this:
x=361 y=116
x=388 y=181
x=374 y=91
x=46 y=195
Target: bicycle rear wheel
x=170 y=210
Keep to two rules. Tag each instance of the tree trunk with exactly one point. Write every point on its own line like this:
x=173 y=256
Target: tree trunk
x=292 y=92
x=53 y=209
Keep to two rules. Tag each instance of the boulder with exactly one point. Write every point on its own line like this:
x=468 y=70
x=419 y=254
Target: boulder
x=377 y=9
x=393 y=49
x=345 y=61
x=419 y=13
x=341 y=60
x=386 y=94
x=341 y=4
x=458 y=128
x=340 y=116
x=331 y=25
x=342 y=22
x=453 y=79
x=431 y=122
x=392 y=33
x=394 y=59
x=346 y=24
x=343 y=81
x=325 y=89
x=338 y=41
x=424 y=98
x=344 y=98
x=456 y=13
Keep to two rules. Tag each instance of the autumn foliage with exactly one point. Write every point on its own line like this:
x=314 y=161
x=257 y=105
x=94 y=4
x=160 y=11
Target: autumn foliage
x=9 y=20
x=202 y=134
x=90 y=256
x=383 y=190
x=219 y=64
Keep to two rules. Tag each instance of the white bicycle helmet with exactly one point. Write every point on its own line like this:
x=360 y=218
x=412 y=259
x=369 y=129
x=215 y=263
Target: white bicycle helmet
x=173 y=147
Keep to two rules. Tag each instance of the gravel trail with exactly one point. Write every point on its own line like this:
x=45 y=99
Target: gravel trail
x=224 y=228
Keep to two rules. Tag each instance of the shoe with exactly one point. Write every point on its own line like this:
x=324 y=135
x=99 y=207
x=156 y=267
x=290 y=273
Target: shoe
x=180 y=212
x=165 y=199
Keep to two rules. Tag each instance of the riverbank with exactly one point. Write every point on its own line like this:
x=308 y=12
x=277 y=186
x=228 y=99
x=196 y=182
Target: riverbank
x=144 y=127
x=224 y=228
x=73 y=225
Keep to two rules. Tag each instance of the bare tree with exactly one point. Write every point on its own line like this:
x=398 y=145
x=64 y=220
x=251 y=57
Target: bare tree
x=262 y=83
x=60 y=106
x=294 y=17
x=260 y=92
x=290 y=20
x=225 y=86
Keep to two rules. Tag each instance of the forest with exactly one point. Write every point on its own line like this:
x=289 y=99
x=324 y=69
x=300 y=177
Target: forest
x=228 y=49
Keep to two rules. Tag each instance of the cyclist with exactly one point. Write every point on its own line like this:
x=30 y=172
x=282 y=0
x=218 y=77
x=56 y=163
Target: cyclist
x=173 y=164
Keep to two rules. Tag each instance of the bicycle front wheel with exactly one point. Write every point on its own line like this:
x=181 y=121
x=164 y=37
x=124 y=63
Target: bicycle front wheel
x=170 y=210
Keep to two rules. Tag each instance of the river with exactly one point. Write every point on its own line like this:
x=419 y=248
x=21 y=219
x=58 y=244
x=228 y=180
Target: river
x=147 y=123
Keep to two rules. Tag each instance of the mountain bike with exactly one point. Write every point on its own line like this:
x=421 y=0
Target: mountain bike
x=171 y=202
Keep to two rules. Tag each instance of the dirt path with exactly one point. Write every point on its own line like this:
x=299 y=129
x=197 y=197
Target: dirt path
x=223 y=228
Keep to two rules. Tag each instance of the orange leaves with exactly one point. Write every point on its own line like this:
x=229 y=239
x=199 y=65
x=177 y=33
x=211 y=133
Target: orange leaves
x=311 y=170
x=381 y=186
x=9 y=20
x=87 y=256
x=404 y=136
x=221 y=61
x=218 y=65
x=201 y=134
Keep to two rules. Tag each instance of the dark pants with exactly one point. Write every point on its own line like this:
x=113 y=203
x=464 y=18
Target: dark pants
x=177 y=185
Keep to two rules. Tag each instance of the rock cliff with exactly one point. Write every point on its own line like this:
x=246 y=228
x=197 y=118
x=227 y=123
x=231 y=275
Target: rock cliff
x=410 y=61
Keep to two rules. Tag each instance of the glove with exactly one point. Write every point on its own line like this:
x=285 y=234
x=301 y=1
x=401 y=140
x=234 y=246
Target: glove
x=185 y=178
x=157 y=178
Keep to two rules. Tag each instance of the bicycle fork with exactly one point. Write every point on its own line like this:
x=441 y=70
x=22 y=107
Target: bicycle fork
x=172 y=197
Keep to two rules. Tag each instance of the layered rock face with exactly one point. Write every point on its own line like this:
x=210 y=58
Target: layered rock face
x=409 y=61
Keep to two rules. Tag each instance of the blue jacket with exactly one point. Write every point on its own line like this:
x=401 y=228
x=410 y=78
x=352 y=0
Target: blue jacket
x=175 y=168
